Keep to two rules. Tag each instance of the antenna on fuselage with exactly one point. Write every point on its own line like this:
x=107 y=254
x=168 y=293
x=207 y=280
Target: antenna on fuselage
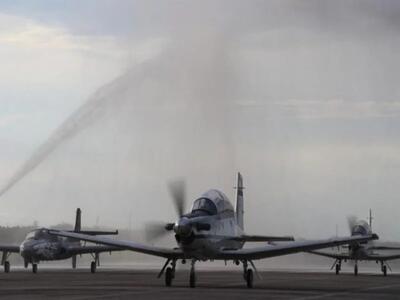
x=239 y=201
x=370 y=218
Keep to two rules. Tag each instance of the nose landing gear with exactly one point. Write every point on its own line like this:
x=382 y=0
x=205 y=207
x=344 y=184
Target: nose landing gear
x=34 y=268
x=192 y=280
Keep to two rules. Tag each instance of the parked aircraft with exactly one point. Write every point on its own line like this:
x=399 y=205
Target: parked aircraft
x=365 y=251
x=39 y=245
x=213 y=230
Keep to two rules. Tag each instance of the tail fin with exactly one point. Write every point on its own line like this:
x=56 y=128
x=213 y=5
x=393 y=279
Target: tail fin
x=78 y=220
x=239 y=201
x=78 y=227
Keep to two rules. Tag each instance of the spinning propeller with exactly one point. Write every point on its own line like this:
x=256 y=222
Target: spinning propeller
x=156 y=230
x=183 y=227
x=351 y=222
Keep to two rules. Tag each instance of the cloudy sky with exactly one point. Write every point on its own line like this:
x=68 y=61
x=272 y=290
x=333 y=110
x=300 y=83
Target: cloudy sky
x=122 y=96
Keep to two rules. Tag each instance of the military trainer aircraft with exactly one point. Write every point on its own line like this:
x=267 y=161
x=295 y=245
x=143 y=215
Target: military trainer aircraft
x=361 y=251
x=39 y=245
x=213 y=230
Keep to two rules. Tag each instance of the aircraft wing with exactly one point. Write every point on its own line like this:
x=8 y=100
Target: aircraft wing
x=75 y=250
x=383 y=248
x=383 y=257
x=331 y=255
x=263 y=238
x=123 y=245
x=290 y=248
x=9 y=248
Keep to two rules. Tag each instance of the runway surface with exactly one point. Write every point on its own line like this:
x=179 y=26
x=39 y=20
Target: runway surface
x=126 y=284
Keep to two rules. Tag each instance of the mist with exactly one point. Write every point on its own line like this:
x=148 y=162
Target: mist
x=300 y=97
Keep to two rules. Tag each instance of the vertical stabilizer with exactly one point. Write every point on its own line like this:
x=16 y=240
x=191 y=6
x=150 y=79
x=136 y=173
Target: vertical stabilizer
x=239 y=201
x=78 y=220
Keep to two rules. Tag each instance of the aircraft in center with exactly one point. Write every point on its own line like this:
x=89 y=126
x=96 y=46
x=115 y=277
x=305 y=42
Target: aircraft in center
x=214 y=230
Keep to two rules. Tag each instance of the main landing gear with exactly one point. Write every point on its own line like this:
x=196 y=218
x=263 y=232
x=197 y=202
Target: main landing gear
x=170 y=272
x=338 y=266
x=34 y=268
x=384 y=267
x=6 y=267
x=170 y=266
x=247 y=274
x=355 y=268
x=5 y=262
x=94 y=264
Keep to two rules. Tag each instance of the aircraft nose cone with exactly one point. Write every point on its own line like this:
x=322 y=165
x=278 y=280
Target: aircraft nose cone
x=183 y=227
x=26 y=250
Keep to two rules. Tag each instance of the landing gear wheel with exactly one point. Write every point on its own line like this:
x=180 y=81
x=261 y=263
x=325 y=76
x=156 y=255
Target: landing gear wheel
x=93 y=267
x=26 y=264
x=355 y=270
x=249 y=278
x=192 y=279
x=337 y=269
x=6 y=267
x=169 y=275
x=34 y=268
x=384 y=270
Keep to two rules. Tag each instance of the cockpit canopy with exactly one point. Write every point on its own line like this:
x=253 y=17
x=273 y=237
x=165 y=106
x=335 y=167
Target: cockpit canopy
x=361 y=228
x=39 y=234
x=212 y=202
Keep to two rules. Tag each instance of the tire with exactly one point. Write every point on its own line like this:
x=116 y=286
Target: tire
x=249 y=278
x=355 y=270
x=93 y=267
x=192 y=280
x=337 y=269
x=6 y=267
x=168 y=276
x=26 y=264
x=384 y=270
x=34 y=268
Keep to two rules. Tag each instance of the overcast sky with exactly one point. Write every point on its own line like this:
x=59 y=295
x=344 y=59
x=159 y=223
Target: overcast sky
x=301 y=96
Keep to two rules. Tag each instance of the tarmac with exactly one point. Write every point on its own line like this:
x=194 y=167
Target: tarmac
x=135 y=284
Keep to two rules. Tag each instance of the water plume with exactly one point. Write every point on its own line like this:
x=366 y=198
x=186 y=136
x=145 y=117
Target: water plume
x=92 y=110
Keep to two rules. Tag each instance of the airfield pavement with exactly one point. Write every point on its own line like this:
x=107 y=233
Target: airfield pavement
x=133 y=284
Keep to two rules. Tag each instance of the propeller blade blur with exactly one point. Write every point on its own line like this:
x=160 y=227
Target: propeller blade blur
x=351 y=221
x=177 y=190
x=155 y=230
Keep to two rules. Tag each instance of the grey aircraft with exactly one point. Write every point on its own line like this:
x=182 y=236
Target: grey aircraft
x=214 y=230
x=39 y=245
x=362 y=251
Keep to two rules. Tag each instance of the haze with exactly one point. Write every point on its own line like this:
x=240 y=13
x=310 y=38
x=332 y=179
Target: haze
x=104 y=102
